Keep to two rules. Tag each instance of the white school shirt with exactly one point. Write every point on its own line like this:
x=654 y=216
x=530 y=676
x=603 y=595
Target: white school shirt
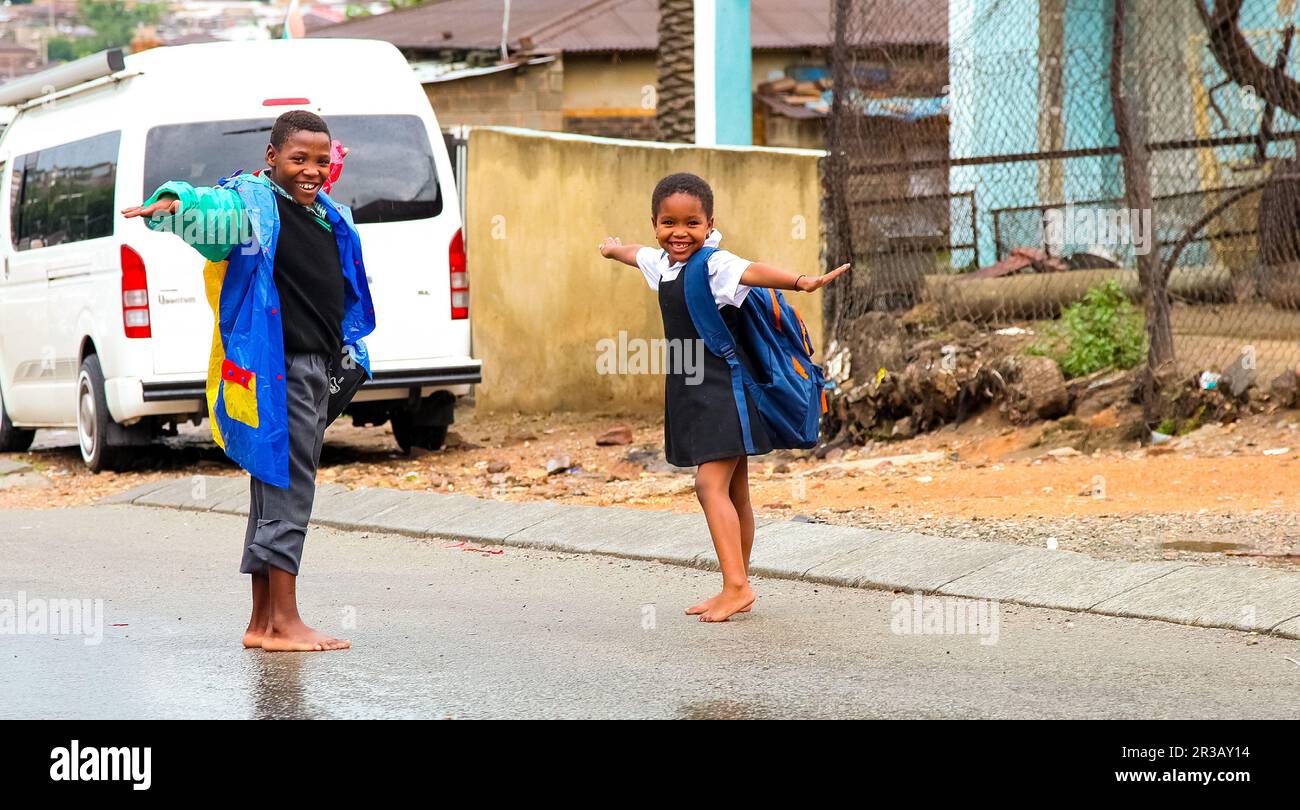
x=725 y=269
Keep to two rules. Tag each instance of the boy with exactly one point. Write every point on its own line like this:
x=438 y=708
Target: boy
x=288 y=288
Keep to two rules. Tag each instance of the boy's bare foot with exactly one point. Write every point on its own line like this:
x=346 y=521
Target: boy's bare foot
x=259 y=623
x=728 y=603
x=695 y=610
x=300 y=638
x=253 y=636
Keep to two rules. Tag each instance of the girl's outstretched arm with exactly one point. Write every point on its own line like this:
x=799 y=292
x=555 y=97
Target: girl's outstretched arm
x=765 y=275
x=613 y=248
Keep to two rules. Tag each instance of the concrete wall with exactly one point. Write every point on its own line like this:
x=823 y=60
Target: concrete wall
x=541 y=295
x=608 y=81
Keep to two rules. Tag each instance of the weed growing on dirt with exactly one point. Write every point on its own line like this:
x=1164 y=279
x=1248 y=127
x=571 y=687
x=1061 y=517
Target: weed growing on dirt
x=1102 y=331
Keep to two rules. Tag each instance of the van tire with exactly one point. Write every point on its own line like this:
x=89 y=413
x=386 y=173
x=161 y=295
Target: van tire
x=12 y=439
x=408 y=435
x=93 y=419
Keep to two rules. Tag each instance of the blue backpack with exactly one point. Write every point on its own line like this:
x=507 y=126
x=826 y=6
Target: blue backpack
x=792 y=398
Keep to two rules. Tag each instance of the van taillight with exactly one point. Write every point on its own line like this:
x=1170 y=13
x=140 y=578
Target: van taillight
x=135 y=295
x=459 y=278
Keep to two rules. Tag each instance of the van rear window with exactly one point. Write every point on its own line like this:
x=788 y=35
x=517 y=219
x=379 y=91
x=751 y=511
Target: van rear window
x=389 y=174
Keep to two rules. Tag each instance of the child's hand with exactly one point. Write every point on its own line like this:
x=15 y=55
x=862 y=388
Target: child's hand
x=810 y=283
x=167 y=205
x=609 y=246
x=613 y=248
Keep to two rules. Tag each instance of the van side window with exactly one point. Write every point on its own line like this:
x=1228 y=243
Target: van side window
x=67 y=192
x=15 y=199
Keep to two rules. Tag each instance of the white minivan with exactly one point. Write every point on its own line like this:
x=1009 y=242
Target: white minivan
x=104 y=324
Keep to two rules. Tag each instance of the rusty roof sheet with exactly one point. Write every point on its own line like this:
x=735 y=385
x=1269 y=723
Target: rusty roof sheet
x=626 y=25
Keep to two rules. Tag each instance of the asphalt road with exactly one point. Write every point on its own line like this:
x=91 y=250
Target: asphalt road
x=444 y=631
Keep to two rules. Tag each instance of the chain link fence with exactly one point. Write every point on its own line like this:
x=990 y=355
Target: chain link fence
x=1108 y=185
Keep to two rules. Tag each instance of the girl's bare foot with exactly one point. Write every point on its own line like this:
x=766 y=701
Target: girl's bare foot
x=695 y=610
x=300 y=638
x=728 y=603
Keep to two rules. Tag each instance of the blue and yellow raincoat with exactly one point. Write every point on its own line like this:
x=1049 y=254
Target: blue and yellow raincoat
x=236 y=226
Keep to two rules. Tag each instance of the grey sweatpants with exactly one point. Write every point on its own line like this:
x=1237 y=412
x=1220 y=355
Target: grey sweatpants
x=277 y=518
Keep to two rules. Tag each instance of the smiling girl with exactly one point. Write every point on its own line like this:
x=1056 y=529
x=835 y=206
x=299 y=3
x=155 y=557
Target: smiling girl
x=701 y=420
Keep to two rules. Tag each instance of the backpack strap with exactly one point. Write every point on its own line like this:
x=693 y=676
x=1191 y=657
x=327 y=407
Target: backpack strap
x=713 y=330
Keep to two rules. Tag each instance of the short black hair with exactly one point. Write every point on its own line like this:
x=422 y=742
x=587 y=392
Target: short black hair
x=682 y=183
x=295 y=121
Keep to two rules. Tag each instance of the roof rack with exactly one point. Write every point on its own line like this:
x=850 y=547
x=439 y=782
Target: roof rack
x=61 y=77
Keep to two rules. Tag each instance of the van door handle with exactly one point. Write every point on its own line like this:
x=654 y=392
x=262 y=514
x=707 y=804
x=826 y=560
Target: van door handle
x=68 y=271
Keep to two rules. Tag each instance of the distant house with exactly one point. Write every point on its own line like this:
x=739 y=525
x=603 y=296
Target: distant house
x=583 y=66
x=321 y=16
x=16 y=61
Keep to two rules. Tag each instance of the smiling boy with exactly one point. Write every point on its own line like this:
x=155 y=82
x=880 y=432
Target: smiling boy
x=288 y=293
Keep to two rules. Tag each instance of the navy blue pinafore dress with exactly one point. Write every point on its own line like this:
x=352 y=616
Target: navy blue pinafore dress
x=701 y=422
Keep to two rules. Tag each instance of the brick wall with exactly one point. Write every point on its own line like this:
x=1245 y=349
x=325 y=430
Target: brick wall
x=636 y=127
x=531 y=96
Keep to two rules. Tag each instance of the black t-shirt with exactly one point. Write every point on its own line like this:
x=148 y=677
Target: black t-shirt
x=310 y=281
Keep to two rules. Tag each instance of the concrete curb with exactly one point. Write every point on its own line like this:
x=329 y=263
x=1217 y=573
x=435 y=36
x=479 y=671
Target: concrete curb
x=1246 y=599
x=8 y=467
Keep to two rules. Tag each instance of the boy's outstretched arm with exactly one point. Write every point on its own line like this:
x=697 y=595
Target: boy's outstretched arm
x=613 y=248
x=765 y=275
x=210 y=218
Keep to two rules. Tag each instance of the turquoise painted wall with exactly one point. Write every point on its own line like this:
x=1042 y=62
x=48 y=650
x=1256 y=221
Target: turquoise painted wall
x=1088 y=118
x=994 y=76
x=734 y=66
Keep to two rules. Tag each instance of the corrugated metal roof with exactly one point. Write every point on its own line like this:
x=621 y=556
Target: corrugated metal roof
x=600 y=25
x=438 y=72
x=624 y=25
x=459 y=24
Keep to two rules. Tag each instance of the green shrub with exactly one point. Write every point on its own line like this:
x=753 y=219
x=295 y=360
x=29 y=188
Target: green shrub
x=1104 y=330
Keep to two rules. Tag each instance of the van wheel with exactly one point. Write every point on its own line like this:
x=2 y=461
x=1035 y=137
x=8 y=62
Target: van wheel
x=93 y=418
x=428 y=437
x=12 y=439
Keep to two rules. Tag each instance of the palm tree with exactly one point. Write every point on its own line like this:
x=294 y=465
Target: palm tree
x=675 y=68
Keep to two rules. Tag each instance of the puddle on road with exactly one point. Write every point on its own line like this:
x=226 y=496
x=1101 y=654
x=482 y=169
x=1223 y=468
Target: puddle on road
x=1287 y=555
x=1202 y=545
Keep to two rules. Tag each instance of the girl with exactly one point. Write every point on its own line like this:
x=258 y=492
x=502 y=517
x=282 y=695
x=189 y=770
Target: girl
x=701 y=423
